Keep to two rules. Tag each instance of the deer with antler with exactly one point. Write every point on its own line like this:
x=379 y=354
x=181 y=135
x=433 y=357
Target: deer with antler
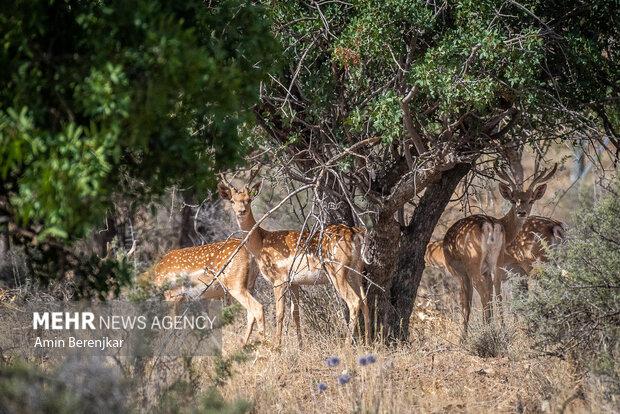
x=289 y=259
x=210 y=271
x=475 y=246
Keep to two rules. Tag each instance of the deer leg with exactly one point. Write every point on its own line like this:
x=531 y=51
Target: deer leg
x=295 y=311
x=467 y=291
x=254 y=311
x=366 y=314
x=354 y=305
x=248 y=329
x=497 y=288
x=279 y=290
x=486 y=292
x=355 y=280
x=357 y=277
x=466 y=295
x=350 y=295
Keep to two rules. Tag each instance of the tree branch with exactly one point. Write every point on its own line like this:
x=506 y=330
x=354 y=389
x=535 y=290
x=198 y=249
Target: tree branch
x=408 y=121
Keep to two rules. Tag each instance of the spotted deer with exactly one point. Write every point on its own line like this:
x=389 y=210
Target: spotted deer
x=289 y=259
x=531 y=245
x=192 y=273
x=475 y=246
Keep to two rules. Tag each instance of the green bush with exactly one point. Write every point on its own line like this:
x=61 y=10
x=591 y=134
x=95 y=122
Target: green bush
x=126 y=99
x=574 y=309
x=92 y=385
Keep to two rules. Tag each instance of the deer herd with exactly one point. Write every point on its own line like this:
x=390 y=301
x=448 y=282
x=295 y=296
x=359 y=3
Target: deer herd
x=479 y=250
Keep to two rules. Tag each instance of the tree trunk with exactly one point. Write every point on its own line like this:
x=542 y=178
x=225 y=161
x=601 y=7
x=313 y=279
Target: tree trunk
x=4 y=228
x=383 y=254
x=105 y=236
x=4 y=235
x=393 y=307
x=188 y=235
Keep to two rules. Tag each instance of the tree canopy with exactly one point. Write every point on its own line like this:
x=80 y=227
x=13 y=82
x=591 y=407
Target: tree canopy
x=100 y=97
x=459 y=64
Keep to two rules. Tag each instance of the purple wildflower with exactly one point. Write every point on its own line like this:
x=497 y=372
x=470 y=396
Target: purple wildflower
x=332 y=361
x=344 y=379
x=322 y=387
x=366 y=360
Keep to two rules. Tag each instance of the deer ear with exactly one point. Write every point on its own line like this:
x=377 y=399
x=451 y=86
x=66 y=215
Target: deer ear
x=505 y=191
x=224 y=191
x=540 y=191
x=255 y=189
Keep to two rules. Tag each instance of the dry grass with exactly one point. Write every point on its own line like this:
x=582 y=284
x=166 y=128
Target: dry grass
x=432 y=373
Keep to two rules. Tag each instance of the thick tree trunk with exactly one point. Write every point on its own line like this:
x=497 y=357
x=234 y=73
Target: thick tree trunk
x=383 y=252
x=401 y=269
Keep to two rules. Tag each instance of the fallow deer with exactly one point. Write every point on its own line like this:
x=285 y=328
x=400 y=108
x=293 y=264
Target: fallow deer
x=532 y=243
x=474 y=246
x=194 y=273
x=289 y=259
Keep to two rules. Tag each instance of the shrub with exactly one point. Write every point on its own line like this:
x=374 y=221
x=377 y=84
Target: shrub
x=574 y=309
x=489 y=340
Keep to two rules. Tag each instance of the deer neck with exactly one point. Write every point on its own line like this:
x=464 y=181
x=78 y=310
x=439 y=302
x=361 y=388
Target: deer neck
x=255 y=242
x=512 y=225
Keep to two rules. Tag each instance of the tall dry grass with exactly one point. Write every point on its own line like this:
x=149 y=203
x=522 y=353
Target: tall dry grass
x=432 y=373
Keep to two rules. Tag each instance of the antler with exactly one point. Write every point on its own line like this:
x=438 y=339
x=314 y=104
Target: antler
x=543 y=176
x=253 y=174
x=503 y=175
x=224 y=180
x=513 y=154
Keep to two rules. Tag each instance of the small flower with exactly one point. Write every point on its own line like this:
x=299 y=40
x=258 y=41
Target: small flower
x=344 y=379
x=332 y=361
x=366 y=360
x=321 y=387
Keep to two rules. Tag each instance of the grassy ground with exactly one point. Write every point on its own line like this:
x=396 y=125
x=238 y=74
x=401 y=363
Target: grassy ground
x=435 y=372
